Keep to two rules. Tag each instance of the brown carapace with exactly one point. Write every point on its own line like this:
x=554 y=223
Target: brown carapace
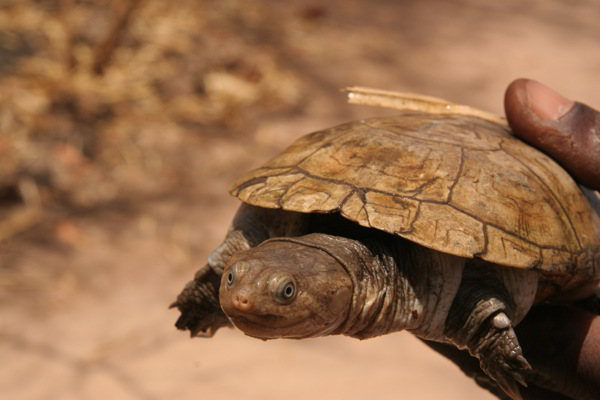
x=440 y=223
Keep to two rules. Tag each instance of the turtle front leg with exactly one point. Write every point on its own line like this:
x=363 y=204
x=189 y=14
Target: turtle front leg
x=199 y=305
x=198 y=302
x=482 y=317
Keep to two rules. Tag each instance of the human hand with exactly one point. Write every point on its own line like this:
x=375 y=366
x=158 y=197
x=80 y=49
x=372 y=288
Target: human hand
x=562 y=343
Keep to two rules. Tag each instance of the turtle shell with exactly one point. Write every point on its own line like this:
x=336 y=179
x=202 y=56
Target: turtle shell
x=454 y=183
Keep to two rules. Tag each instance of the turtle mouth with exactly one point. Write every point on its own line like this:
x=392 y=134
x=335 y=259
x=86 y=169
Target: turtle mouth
x=270 y=326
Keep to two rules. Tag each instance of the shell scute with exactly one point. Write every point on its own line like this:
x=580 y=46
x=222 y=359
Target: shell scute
x=458 y=184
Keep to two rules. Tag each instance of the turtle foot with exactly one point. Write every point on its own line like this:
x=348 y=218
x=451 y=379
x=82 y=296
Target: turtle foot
x=503 y=359
x=507 y=380
x=199 y=305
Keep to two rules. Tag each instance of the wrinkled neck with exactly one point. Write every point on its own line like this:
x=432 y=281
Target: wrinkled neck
x=376 y=308
x=398 y=285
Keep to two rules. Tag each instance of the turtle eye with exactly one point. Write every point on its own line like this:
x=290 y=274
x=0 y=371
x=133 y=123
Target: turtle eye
x=282 y=286
x=230 y=277
x=287 y=291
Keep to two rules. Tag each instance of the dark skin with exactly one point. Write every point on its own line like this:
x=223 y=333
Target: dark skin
x=561 y=342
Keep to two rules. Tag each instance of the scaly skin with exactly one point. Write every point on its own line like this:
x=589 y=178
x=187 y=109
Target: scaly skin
x=371 y=287
x=482 y=316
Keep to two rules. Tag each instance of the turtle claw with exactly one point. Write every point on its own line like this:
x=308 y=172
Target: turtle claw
x=507 y=377
x=508 y=382
x=505 y=363
x=519 y=378
x=206 y=333
x=199 y=305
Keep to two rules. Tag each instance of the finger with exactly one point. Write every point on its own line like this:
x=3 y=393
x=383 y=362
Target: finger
x=567 y=131
x=563 y=346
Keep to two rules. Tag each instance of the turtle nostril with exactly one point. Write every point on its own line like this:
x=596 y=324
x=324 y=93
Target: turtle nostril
x=241 y=302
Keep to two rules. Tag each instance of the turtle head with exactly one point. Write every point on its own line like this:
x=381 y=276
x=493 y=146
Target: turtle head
x=285 y=288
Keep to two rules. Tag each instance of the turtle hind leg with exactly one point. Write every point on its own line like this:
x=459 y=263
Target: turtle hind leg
x=481 y=320
x=500 y=355
x=495 y=344
x=199 y=305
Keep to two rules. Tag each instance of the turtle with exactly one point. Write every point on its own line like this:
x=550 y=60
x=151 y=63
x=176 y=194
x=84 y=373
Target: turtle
x=436 y=221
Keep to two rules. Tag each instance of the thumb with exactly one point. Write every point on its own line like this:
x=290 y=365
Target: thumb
x=567 y=131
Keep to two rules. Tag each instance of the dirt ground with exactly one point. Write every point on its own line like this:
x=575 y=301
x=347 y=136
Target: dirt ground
x=122 y=125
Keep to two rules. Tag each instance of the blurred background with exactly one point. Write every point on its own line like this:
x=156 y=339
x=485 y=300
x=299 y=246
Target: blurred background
x=122 y=123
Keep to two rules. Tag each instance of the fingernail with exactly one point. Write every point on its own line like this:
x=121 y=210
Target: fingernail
x=545 y=103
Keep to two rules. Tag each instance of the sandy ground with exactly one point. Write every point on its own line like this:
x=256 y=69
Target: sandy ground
x=83 y=313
